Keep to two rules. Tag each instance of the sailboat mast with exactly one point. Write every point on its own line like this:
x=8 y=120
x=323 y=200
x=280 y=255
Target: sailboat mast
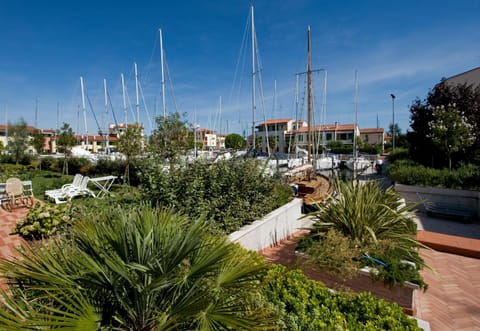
x=84 y=113
x=253 y=79
x=164 y=106
x=310 y=101
x=324 y=104
x=124 y=100
x=105 y=118
x=355 y=124
x=137 y=105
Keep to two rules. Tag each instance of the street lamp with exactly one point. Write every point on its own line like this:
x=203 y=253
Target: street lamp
x=393 y=121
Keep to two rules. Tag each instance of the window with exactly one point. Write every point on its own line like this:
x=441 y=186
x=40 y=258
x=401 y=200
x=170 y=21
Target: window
x=328 y=136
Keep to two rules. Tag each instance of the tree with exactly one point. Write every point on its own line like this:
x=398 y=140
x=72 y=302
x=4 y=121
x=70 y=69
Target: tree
x=38 y=141
x=130 y=144
x=65 y=142
x=467 y=104
x=172 y=137
x=235 y=141
x=142 y=269
x=398 y=131
x=18 y=140
x=450 y=132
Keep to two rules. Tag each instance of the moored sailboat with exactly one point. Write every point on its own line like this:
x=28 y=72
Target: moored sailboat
x=312 y=187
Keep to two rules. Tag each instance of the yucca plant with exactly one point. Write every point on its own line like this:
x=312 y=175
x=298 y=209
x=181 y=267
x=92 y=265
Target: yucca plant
x=143 y=269
x=374 y=221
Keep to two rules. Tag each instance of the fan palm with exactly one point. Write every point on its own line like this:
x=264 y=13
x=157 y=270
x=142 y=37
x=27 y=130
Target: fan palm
x=145 y=269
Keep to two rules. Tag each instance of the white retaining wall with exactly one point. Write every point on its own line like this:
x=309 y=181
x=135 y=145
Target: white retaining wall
x=277 y=225
x=469 y=200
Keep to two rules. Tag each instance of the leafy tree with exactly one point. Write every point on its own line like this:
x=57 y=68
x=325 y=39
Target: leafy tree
x=18 y=140
x=398 y=131
x=450 y=132
x=38 y=141
x=130 y=144
x=65 y=142
x=235 y=141
x=467 y=104
x=142 y=269
x=172 y=137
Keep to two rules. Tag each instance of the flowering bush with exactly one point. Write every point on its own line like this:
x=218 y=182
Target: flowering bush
x=43 y=221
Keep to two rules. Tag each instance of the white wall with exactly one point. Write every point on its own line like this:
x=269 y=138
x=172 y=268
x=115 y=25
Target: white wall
x=277 y=225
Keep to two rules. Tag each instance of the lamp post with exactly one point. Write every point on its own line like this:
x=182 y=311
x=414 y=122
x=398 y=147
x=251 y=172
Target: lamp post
x=393 y=121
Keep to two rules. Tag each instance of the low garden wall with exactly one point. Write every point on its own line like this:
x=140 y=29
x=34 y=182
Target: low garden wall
x=462 y=199
x=274 y=227
x=404 y=295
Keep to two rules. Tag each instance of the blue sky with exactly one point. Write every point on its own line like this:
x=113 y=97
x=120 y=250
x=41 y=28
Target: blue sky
x=400 y=47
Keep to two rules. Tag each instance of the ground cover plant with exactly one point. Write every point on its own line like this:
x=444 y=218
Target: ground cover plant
x=304 y=304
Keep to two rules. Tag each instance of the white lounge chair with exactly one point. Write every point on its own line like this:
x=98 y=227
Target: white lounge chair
x=70 y=191
x=77 y=180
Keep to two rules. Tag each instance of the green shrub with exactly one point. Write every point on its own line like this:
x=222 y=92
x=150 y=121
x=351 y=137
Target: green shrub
x=43 y=221
x=399 y=154
x=371 y=149
x=50 y=163
x=229 y=193
x=75 y=164
x=406 y=172
x=304 y=304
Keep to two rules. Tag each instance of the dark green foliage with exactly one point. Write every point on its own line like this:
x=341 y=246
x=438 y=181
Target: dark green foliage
x=396 y=270
x=399 y=154
x=304 y=304
x=338 y=148
x=466 y=177
x=75 y=165
x=370 y=149
x=17 y=140
x=465 y=101
x=229 y=193
x=49 y=163
x=235 y=141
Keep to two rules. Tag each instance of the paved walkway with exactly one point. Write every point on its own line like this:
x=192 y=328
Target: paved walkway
x=8 y=242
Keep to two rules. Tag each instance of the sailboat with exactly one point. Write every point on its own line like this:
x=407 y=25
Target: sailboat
x=309 y=185
x=356 y=163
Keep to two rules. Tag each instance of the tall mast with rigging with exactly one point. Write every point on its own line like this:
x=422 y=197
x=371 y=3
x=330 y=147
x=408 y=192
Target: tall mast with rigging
x=253 y=79
x=84 y=112
x=164 y=107
x=310 y=100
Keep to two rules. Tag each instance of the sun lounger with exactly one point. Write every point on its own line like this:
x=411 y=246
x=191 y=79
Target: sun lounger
x=67 y=192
